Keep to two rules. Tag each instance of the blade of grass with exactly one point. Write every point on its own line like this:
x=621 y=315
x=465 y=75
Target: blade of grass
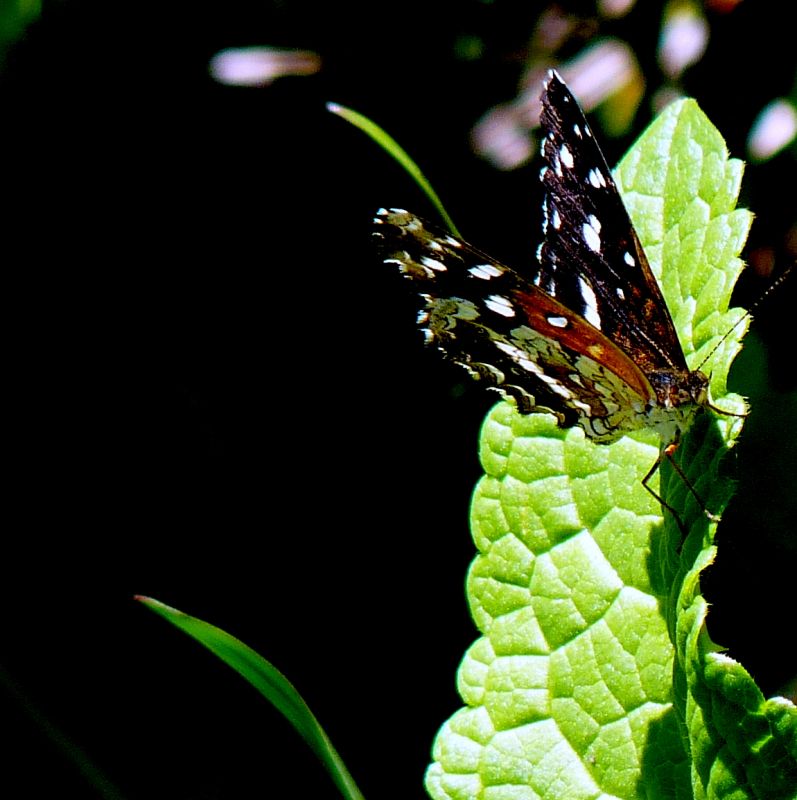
x=270 y=682
x=393 y=148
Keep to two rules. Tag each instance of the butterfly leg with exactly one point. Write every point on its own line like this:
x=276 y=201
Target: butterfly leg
x=667 y=452
x=659 y=499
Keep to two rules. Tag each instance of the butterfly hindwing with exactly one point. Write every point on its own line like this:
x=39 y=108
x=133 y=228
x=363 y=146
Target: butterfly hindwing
x=510 y=334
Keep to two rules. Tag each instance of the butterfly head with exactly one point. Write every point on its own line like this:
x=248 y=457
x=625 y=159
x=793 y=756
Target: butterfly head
x=679 y=388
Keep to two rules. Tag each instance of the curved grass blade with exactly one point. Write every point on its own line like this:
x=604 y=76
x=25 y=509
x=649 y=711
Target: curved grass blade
x=393 y=148
x=270 y=682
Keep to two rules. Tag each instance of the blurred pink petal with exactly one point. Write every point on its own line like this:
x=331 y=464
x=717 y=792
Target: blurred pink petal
x=684 y=37
x=774 y=128
x=259 y=66
x=501 y=137
x=600 y=71
x=503 y=134
x=554 y=28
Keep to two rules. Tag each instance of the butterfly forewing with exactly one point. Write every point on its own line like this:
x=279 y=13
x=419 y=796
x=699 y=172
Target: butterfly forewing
x=591 y=258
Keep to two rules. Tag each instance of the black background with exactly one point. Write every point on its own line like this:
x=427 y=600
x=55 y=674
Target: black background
x=219 y=399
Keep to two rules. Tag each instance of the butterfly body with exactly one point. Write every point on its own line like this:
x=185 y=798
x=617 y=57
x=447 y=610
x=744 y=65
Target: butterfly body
x=585 y=333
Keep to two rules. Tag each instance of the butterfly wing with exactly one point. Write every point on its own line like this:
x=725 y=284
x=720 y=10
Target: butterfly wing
x=511 y=334
x=591 y=259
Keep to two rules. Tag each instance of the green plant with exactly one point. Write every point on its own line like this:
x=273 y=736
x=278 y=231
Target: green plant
x=595 y=675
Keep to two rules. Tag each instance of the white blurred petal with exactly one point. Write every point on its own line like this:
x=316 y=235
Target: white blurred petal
x=259 y=66
x=499 y=137
x=502 y=135
x=684 y=37
x=599 y=71
x=774 y=128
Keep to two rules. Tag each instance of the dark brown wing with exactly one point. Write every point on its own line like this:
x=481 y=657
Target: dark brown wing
x=511 y=334
x=591 y=259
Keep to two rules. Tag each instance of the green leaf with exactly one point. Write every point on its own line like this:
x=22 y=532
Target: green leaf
x=594 y=676
x=741 y=745
x=270 y=682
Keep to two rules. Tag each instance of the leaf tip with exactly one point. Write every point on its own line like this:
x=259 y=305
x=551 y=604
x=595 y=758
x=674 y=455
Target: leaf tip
x=156 y=605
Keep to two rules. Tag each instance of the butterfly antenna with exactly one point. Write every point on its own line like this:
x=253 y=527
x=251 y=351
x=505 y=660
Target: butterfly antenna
x=771 y=288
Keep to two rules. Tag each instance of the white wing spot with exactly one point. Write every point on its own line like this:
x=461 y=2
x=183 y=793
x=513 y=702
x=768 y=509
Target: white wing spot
x=557 y=220
x=590 y=303
x=433 y=263
x=558 y=322
x=520 y=358
x=620 y=293
x=577 y=130
x=596 y=178
x=555 y=386
x=499 y=304
x=591 y=230
x=434 y=245
x=485 y=271
x=629 y=259
x=566 y=156
x=450 y=240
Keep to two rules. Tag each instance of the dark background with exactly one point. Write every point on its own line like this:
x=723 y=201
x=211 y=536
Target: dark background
x=219 y=399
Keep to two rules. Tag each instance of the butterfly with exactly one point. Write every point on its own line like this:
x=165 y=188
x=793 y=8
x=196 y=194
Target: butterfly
x=585 y=334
